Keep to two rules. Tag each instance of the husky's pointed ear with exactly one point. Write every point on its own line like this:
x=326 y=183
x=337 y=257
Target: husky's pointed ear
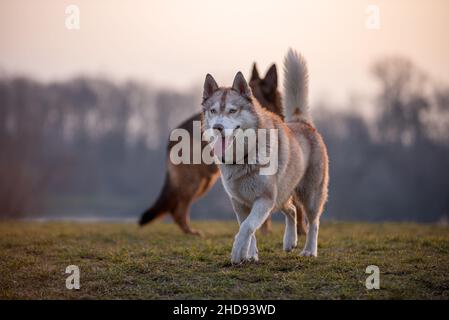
x=255 y=73
x=271 y=78
x=210 y=86
x=241 y=86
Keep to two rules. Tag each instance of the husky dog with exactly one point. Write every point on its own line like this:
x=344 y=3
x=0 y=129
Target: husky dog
x=301 y=180
x=177 y=196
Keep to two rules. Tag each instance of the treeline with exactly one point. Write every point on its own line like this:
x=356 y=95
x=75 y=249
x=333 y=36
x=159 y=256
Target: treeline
x=92 y=147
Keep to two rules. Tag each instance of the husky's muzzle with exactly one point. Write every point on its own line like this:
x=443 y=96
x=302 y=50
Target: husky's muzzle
x=224 y=139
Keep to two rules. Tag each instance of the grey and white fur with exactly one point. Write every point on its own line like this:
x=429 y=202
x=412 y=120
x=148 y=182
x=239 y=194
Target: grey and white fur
x=301 y=181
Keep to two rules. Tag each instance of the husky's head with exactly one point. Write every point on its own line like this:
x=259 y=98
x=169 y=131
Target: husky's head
x=228 y=110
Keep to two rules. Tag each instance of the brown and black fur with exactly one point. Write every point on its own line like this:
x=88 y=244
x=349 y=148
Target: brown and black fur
x=186 y=183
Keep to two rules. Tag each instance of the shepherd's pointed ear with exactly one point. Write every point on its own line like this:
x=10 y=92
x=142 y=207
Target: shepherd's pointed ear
x=210 y=86
x=241 y=86
x=271 y=78
x=255 y=73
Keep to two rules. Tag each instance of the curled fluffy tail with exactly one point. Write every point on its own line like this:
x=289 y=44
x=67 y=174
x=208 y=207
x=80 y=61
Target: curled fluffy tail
x=296 y=87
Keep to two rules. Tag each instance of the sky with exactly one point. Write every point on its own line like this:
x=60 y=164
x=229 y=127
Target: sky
x=175 y=43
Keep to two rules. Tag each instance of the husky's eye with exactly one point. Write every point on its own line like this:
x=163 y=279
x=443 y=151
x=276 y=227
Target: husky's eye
x=213 y=111
x=232 y=110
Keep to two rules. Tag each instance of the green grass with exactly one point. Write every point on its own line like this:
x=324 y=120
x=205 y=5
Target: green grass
x=122 y=261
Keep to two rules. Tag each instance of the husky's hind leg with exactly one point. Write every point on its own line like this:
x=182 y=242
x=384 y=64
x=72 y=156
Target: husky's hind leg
x=312 y=192
x=290 y=234
x=301 y=225
x=313 y=208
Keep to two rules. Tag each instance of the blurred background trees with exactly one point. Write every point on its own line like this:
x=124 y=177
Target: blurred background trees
x=89 y=147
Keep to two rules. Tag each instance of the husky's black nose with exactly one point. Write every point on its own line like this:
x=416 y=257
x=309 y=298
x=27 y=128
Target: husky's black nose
x=218 y=127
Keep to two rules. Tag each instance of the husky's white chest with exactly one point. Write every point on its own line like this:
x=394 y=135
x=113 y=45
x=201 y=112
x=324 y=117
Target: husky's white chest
x=245 y=187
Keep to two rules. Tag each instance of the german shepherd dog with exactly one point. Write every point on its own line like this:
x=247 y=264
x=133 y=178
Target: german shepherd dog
x=177 y=196
x=301 y=178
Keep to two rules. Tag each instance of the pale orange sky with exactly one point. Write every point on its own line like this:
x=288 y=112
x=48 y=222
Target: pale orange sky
x=175 y=43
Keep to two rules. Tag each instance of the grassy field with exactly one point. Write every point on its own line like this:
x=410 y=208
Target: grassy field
x=122 y=261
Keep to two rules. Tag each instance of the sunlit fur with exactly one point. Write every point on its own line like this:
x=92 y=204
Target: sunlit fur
x=301 y=180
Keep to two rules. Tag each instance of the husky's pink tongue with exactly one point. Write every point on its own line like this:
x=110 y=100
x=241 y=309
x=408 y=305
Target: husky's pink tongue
x=221 y=145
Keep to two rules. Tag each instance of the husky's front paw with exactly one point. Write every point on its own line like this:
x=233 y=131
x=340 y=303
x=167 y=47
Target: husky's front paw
x=238 y=257
x=240 y=250
x=290 y=240
x=289 y=244
x=253 y=254
x=238 y=254
x=308 y=253
x=290 y=235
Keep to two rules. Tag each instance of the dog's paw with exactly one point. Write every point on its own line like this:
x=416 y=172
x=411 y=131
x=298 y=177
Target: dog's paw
x=195 y=232
x=290 y=238
x=254 y=258
x=288 y=247
x=308 y=253
x=237 y=255
x=239 y=259
x=235 y=258
x=290 y=244
x=253 y=255
x=241 y=251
